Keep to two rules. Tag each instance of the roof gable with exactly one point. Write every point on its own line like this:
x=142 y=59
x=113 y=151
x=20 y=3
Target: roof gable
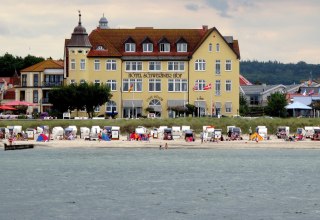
x=46 y=64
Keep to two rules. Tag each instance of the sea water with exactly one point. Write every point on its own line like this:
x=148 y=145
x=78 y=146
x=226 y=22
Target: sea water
x=104 y=183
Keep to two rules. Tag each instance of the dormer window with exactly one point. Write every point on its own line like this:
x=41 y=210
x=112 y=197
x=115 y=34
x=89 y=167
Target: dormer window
x=182 y=47
x=147 y=47
x=130 y=47
x=100 y=47
x=164 y=45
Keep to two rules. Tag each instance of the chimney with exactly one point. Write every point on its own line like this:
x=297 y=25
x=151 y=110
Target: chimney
x=205 y=27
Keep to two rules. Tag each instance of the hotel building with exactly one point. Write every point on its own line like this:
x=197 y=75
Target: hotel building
x=159 y=69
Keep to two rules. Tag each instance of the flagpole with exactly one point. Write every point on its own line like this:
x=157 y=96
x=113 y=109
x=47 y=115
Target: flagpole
x=211 y=102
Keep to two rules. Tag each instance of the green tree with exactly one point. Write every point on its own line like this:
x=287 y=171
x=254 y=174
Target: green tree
x=276 y=105
x=244 y=107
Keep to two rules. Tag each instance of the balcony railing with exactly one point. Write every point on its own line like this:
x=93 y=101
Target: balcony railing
x=43 y=84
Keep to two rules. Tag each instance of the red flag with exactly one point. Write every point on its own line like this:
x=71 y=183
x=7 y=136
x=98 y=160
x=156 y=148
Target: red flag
x=195 y=87
x=207 y=87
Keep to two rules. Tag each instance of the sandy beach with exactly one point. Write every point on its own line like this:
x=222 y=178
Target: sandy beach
x=176 y=144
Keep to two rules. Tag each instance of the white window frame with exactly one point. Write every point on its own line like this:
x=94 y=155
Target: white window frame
x=130 y=47
x=72 y=64
x=96 y=65
x=182 y=47
x=72 y=81
x=82 y=64
x=147 y=47
x=228 y=110
x=228 y=85
x=200 y=65
x=137 y=85
x=217 y=47
x=111 y=106
x=177 y=66
x=210 y=47
x=228 y=65
x=112 y=83
x=97 y=108
x=111 y=65
x=82 y=81
x=178 y=85
x=154 y=85
x=164 y=47
x=218 y=87
x=201 y=83
x=218 y=67
x=154 y=65
x=133 y=66
x=97 y=82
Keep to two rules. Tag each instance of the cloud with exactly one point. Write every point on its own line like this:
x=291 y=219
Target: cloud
x=192 y=7
x=220 y=5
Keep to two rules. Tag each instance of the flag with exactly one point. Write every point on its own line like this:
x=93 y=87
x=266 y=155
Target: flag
x=311 y=92
x=207 y=87
x=131 y=88
x=305 y=92
x=195 y=87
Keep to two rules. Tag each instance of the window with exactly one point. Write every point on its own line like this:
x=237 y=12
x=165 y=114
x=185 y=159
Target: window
x=177 y=85
x=200 y=84
x=154 y=85
x=218 y=87
x=210 y=47
x=111 y=106
x=218 y=67
x=254 y=100
x=133 y=66
x=82 y=64
x=154 y=65
x=147 y=47
x=228 y=107
x=182 y=47
x=217 y=47
x=35 y=80
x=228 y=85
x=72 y=64
x=82 y=81
x=112 y=84
x=132 y=85
x=97 y=109
x=24 y=79
x=53 y=80
x=228 y=65
x=111 y=65
x=200 y=65
x=100 y=47
x=130 y=47
x=72 y=81
x=96 y=65
x=164 y=47
x=35 y=96
x=97 y=82
x=176 y=65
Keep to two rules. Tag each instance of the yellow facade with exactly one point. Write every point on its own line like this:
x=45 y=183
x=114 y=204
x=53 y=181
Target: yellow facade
x=179 y=79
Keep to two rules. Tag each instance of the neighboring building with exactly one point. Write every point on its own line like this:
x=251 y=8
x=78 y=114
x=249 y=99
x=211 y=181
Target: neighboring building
x=162 y=69
x=257 y=95
x=36 y=82
x=7 y=91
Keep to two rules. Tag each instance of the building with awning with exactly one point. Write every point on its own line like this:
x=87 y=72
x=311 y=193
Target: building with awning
x=158 y=70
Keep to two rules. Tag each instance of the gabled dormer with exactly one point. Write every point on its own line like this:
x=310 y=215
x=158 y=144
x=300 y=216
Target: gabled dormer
x=147 y=45
x=164 y=45
x=182 y=45
x=130 y=45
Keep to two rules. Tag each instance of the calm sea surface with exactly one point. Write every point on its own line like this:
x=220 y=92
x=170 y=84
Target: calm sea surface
x=77 y=183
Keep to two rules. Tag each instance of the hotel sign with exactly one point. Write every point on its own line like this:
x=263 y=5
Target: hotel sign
x=156 y=75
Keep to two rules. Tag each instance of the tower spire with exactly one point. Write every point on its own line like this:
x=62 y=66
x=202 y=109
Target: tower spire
x=79 y=17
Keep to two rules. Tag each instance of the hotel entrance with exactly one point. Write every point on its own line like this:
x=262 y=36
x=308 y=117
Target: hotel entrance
x=132 y=108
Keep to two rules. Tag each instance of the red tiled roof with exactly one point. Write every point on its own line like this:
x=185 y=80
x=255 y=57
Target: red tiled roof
x=113 y=41
x=46 y=64
x=244 y=81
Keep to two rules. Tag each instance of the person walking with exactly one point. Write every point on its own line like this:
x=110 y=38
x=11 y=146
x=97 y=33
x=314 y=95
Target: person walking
x=201 y=137
x=250 y=133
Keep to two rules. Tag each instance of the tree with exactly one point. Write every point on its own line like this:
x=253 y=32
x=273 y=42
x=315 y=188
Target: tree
x=276 y=105
x=84 y=96
x=244 y=107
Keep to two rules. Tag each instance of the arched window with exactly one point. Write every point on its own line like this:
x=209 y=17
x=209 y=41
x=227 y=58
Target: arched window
x=156 y=105
x=217 y=47
x=210 y=47
x=111 y=106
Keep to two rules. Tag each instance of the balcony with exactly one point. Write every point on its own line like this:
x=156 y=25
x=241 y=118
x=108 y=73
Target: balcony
x=52 y=84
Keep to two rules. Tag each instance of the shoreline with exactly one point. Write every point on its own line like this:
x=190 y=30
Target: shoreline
x=274 y=143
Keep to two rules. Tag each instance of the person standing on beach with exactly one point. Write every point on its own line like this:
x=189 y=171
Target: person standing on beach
x=250 y=133
x=201 y=137
x=166 y=146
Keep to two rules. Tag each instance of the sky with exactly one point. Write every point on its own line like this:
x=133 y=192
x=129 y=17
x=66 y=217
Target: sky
x=287 y=31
